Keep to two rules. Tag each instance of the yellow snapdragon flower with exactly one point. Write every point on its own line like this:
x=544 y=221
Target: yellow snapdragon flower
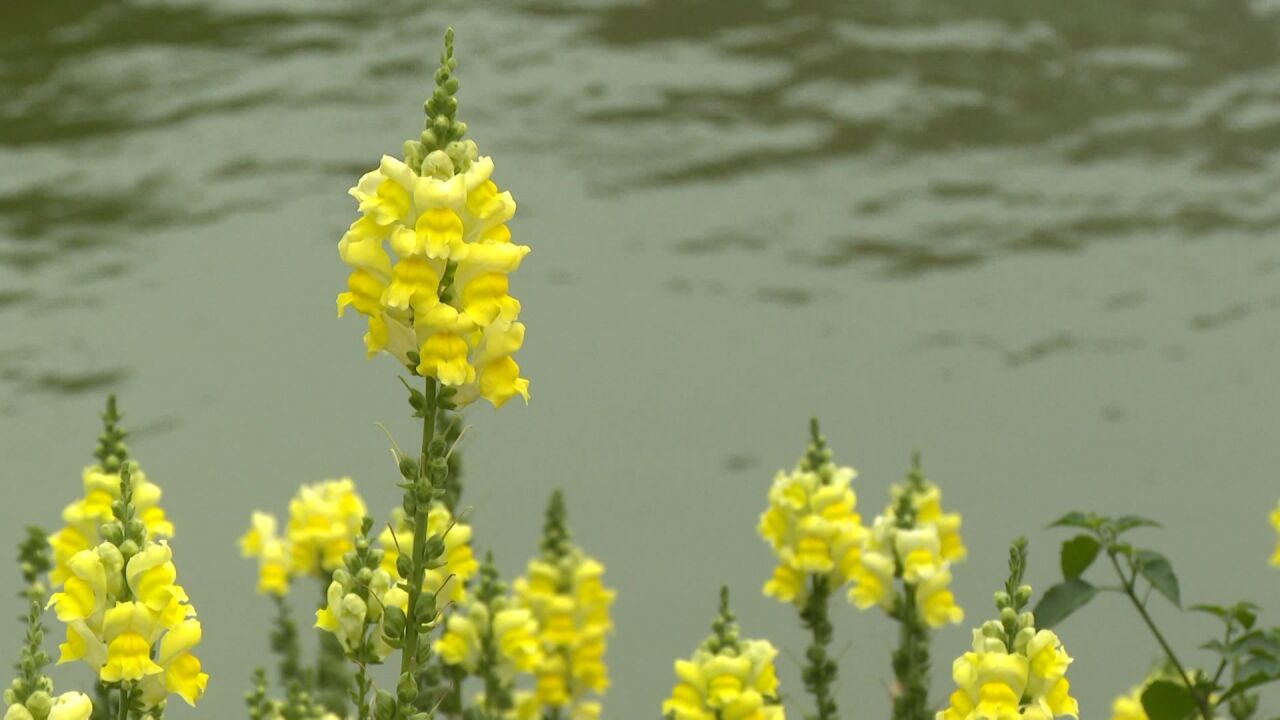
x=813 y=527
x=442 y=291
x=513 y=632
x=272 y=552
x=913 y=539
x=1014 y=671
x=85 y=515
x=727 y=677
x=450 y=580
x=324 y=520
x=346 y=612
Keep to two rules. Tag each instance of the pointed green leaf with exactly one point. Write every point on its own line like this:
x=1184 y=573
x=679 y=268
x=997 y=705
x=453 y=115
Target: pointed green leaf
x=1061 y=600
x=1129 y=522
x=1077 y=519
x=1157 y=570
x=1168 y=700
x=1078 y=554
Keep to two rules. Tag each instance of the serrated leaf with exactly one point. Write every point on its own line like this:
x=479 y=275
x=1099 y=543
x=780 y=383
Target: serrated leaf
x=1168 y=700
x=1061 y=600
x=1078 y=519
x=1159 y=572
x=1078 y=554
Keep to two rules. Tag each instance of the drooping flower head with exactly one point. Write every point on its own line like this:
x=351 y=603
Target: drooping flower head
x=916 y=542
x=727 y=677
x=324 y=521
x=126 y=616
x=564 y=591
x=812 y=524
x=1014 y=670
x=430 y=257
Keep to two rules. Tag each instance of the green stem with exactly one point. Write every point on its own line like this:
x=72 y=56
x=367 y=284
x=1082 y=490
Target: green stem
x=820 y=672
x=409 y=656
x=1205 y=711
x=911 y=662
x=124 y=702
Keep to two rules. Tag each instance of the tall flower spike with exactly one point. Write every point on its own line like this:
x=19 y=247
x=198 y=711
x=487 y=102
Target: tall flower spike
x=1014 y=670
x=126 y=615
x=727 y=677
x=431 y=256
x=565 y=593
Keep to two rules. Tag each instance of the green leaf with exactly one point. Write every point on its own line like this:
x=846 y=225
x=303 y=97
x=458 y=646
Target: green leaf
x=1078 y=519
x=1061 y=600
x=1157 y=570
x=1078 y=554
x=1168 y=700
x=1128 y=522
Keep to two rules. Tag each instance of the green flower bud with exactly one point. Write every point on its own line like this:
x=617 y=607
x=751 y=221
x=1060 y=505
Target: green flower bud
x=342 y=577
x=406 y=689
x=384 y=705
x=1026 y=620
x=1008 y=616
x=112 y=533
x=435 y=546
x=408 y=468
x=424 y=611
x=135 y=530
x=1003 y=600
x=404 y=566
x=992 y=629
x=40 y=703
x=392 y=622
x=364 y=577
x=1023 y=639
x=128 y=548
x=1022 y=594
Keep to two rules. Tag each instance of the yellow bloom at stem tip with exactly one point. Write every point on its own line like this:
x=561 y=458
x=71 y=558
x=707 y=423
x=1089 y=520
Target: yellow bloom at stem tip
x=430 y=260
x=324 y=520
x=812 y=526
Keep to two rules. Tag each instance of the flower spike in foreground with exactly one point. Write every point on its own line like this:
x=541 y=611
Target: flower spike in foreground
x=727 y=677
x=1014 y=670
x=430 y=257
x=566 y=596
x=126 y=616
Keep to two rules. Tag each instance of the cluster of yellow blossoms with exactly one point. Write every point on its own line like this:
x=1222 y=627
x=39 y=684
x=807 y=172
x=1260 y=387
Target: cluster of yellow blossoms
x=84 y=516
x=449 y=580
x=126 y=616
x=441 y=294
x=565 y=593
x=324 y=519
x=1014 y=671
x=512 y=631
x=727 y=678
x=914 y=540
x=356 y=601
x=813 y=526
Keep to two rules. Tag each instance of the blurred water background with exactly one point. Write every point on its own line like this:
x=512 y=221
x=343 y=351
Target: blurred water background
x=1033 y=239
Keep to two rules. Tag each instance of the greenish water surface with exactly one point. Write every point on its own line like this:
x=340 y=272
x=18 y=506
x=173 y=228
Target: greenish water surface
x=1034 y=239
